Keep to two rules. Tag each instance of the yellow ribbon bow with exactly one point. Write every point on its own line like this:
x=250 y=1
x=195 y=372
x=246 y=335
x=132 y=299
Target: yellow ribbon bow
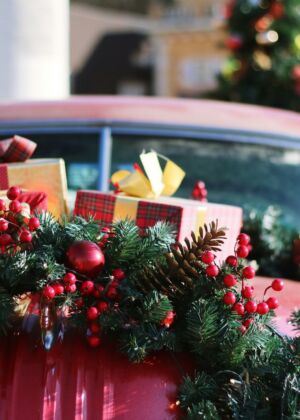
x=156 y=182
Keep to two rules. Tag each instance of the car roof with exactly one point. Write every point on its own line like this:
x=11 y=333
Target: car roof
x=150 y=110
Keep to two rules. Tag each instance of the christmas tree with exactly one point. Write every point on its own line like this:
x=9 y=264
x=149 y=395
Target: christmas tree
x=264 y=64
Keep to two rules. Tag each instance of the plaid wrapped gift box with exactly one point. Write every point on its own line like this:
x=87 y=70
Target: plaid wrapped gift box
x=185 y=215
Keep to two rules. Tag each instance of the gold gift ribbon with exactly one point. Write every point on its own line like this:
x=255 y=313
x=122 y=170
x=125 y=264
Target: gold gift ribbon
x=156 y=182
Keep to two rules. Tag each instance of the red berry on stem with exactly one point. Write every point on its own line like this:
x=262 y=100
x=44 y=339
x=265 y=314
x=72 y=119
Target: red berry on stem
x=94 y=327
x=33 y=224
x=273 y=302
x=87 y=287
x=15 y=206
x=262 y=308
x=102 y=306
x=239 y=308
x=247 y=291
x=248 y=322
x=92 y=313
x=5 y=239
x=212 y=270
x=3 y=225
x=112 y=293
x=70 y=278
x=207 y=257
x=230 y=280
x=277 y=285
x=229 y=298
x=2 y=205
x=48 y=292
x=243 y=239
x=118 y=274
x=249 y=272
x=79 y=302
x=105 y=229
x=242 y=251
x=13 y=193
x=94 y=340
x=58 y=288
x=25 y=236
x=232 y=261
x=70 y=288
x=98 y=290
x=243 y=329
x=251 y=306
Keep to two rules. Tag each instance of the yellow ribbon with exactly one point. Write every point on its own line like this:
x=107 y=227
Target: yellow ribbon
x=156 y=182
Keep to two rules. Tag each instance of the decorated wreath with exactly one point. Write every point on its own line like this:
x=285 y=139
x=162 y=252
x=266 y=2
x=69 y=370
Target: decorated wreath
x=148 y=294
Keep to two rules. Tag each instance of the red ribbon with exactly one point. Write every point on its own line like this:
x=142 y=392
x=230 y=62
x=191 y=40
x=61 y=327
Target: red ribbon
x=16 y=149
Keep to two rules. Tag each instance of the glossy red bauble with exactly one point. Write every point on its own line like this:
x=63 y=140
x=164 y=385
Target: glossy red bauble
x=262 y=308
x=249 y=272
x=48 y=292
x=13 y=193
x=207 y=257
x=239 y=308
x=273 y=303
x=247 y=291
x=212 y=270
x=242 y=251
x=232 y=261
x=229 y=298
x=230 y=280
x=277 y=285
x=33 y=223
x=243 y=239
x=251 y=306
x=86 y=257
x=3 y=225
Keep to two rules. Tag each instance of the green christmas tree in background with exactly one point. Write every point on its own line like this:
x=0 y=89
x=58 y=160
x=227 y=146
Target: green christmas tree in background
x=264 y=64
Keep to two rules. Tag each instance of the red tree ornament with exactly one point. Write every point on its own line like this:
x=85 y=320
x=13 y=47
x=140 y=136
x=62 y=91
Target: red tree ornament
x=86 y=257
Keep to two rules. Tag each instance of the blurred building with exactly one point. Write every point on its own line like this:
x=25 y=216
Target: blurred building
x=175 y=51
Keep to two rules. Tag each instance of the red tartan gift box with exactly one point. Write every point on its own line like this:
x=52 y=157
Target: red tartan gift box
x=185 y=215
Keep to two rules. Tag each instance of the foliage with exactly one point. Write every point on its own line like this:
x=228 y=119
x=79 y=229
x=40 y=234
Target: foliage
x=265 y=53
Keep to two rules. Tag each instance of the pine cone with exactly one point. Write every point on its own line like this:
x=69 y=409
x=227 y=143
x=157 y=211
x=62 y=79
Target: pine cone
x=182 y=263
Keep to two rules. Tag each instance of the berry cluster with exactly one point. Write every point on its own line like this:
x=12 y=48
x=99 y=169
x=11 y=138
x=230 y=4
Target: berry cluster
x=199 y=191
x=243 y=302
x=211 y=270
x=16 y=224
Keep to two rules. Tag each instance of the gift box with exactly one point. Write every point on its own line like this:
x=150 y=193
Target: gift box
x=47 y=175
x=185 y=215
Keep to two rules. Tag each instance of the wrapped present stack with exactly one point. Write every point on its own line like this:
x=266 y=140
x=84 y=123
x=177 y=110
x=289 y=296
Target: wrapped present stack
x=144 y=195
x=43 y=176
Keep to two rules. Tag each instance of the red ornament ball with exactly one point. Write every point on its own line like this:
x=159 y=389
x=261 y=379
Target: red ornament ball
x=247 y=291
x=3 y=225
x=48 y=292
x=251 y=306
x=34 y=224
x=239 y=308
x=86 y=257
x=118 y=274
x=229 y=298
x=2 y=205
x=87 y=287
x=69 y=278
x=25 y=236
x=207 y=257
x=94 y=340
x=92 y=313
x=102 y=306
x=242 y=251
x=232 y=261
x=13 y=193
x=230 y=280
x=212 y=270
x=243 y=239
x=15 y=206
x=249 y=272
x=273 y=303
x=262 y=308
x=277 y=285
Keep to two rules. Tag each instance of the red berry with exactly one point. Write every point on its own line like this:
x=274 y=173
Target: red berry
x=105 y=229
x=251 y=306
x=239 y=308
x=15 y=206
x=87 y=287
x=168 y=319
x=207 y=257
x=243 y=329
x=79 y=302
x=249 y=272
x=98 y=290
x=262 y=308
x=70 y=288
x=118 y=274
x=3 y=225
x=94 y=327
x=2 y=205
x=273 y=303
x=230 y=280
x=248 y=322
x=229 y=298
x=212 y=270
x=48 y=292
x=92 y=313
x=242 y=251
x=94 y=340
x=34 y=224
x=13 y=193
x=243 y=239
x=70 y=278
x=5 y=239
x=247 y=291
x=102 y=306
x=58 y=288
x=25 y=236
x=277 y=285
x=112 y=293
x=232 y=261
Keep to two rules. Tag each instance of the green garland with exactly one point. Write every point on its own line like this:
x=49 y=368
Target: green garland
x=241 y=374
